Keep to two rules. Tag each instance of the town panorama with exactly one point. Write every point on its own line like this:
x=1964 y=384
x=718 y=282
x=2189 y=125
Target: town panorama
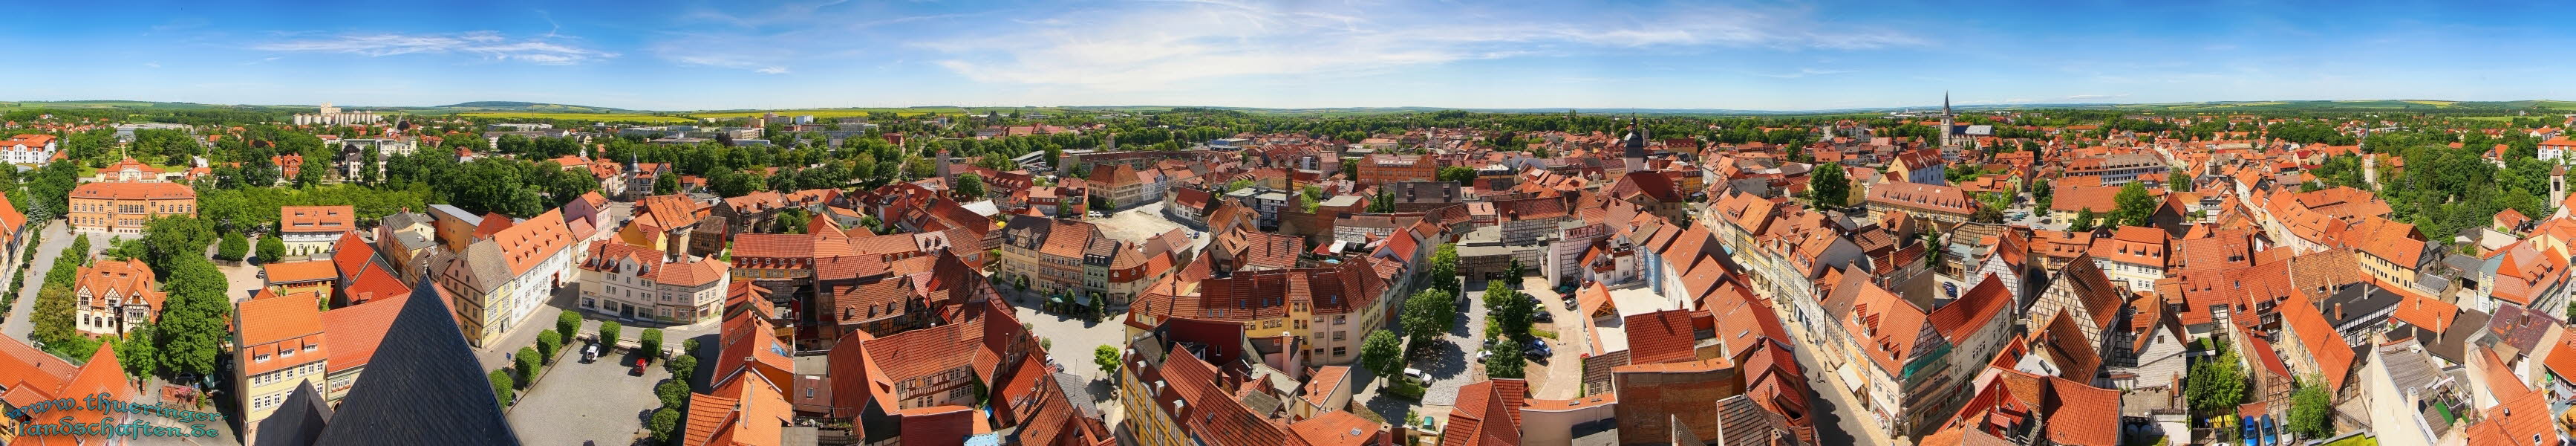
x=1406 y=224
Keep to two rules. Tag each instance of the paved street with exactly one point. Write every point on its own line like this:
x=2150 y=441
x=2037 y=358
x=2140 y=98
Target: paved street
x=57 y=236
x=1071 y=340
x=1837 y=415
x=595 y=403
x=1562 y=377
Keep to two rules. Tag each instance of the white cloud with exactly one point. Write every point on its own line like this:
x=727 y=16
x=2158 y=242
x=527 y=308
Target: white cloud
x=771 y=70
x=1804 y=72
x=488 y=45
x=1163 y=44
x=152 y=64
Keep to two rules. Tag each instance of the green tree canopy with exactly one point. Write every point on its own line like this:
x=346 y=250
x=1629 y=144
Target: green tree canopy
x=1505 y=361
x=1382 y=353
x=1428 y=314
x=1828 y=187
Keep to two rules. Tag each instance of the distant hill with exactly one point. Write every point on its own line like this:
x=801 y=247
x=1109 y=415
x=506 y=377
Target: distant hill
x=520 y=106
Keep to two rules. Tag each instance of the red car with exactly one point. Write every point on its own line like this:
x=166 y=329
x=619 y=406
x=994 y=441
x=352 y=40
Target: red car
x=639 y=367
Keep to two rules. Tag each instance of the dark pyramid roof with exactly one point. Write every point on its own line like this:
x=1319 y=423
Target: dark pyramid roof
x=1635 y=142
x=431 y=390
x=298 y=422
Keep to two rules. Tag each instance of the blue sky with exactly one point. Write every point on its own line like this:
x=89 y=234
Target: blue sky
x=670 y=55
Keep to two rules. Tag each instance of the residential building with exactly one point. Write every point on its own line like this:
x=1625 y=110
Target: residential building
x=638 y=283
x=1935 y=203
x=1073 y=258
x=328 y=115
x=2134 y=256
x=310 y=231
x=311 y=277
x=28 y=149
x=1328 y=311
x=278 y=347
x=123 y=208
x=498 y=281
x=1386 y=169
x=115 y=296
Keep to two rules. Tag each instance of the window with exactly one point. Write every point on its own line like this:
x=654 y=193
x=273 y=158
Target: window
x=1338 y=335
x=1340 y=351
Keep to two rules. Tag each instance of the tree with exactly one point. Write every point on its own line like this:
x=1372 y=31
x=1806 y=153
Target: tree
x=569 y=324
x=664 y=422
x=2084 y=220
x=650 y=345
x=608 y=331
x=1505 y=361
x=54 y=318
x=2311 y=411
x=1460 y=174
x=1382 y=353
x=667 y=184
x=1510 y=311
x=167 y=240
x=233 y=248
x=1444 y=267
x=682 y=367
x=1427 y=314
x=2136 y=205
x=1107 y=358
x=2179 y=181
x=192 y=329
x=501 y=386
x=529 y=365
x=271 y=249
x=138 y=354
x=1986 y=214
x=673 y=393
x=2216 y=386
x=549 y=342
x=970 y=185
x=1828 y=187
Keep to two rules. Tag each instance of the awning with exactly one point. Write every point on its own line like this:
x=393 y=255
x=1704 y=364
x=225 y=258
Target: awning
x=1850 y=376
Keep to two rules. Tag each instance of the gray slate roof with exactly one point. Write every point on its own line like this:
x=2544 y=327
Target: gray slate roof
x=430 y=390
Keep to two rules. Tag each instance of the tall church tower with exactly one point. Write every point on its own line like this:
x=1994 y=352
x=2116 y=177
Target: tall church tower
x=1634 y=152
x=1945 y=119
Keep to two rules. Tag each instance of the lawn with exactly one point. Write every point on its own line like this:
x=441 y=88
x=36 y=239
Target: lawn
x=605 y=117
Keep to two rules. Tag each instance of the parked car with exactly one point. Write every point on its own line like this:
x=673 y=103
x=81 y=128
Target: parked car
x=1544 y=317
x=589 y=353
x=639 y=367
x=1535 y=351
x=1410 y=374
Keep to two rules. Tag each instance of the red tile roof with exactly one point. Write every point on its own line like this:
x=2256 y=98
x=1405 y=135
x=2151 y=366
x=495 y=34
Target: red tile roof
x=134 y=191
x=2333 y=357
x=1972 y=311
x=355 y=330
x=317 y=218
x=297 y=272
x=1658 y=337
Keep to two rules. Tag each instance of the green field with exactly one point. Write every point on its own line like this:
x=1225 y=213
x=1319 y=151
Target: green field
x=604 y=117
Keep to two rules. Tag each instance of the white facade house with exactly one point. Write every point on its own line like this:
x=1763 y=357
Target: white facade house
x=28 y=149
x=639 y=283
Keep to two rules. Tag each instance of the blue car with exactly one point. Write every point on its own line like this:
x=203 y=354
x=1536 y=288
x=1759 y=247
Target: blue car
x=2253 y=436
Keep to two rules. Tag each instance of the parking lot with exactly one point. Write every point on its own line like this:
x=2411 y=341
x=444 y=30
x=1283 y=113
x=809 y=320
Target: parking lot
x=596 y=403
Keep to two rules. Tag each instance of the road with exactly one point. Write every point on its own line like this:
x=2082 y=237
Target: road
x=57 y=236
x=1835 y=413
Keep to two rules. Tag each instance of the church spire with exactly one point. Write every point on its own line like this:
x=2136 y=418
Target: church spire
x=1945 y=103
